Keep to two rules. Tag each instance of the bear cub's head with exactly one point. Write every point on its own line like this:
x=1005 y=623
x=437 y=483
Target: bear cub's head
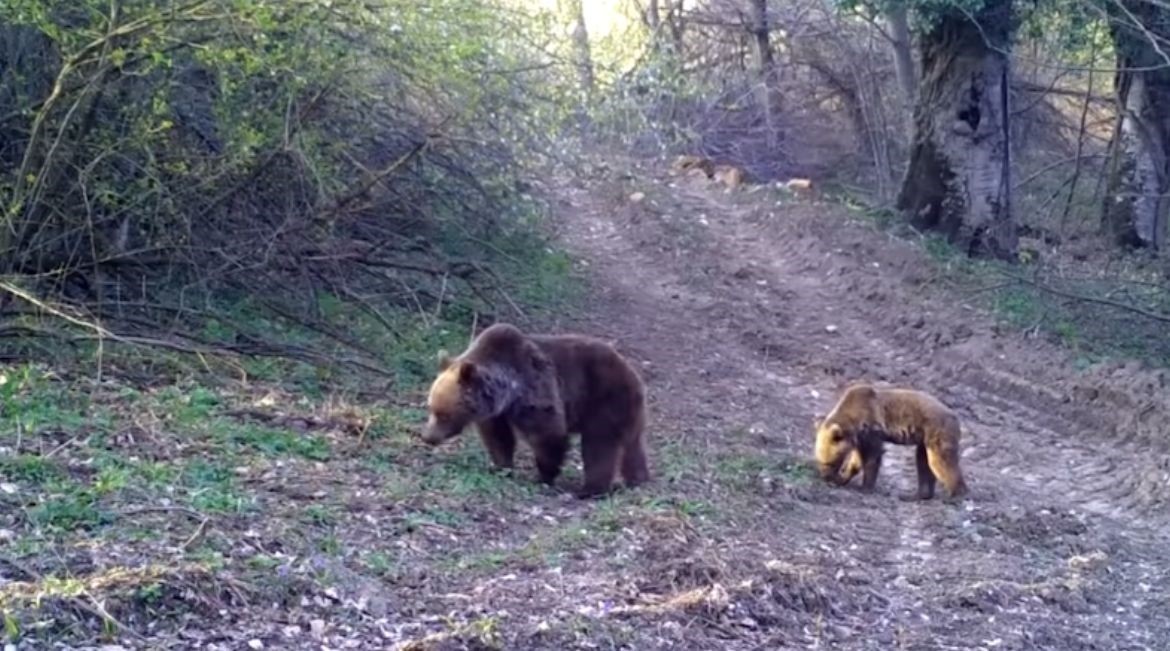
x=834 y=445
x=838 y=434
x=838 y=452
x=462 y=393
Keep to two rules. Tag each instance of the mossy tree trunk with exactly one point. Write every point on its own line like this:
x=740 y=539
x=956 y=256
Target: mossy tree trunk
x=1138 y=181
x=958 y=182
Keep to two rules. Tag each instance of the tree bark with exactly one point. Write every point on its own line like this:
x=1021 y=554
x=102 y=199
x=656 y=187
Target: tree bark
x=907 y=76
x=1136 y=203
x=759 y=28
x=582 y=56
x=656 y=23
x=765 y=66
x=957 y=180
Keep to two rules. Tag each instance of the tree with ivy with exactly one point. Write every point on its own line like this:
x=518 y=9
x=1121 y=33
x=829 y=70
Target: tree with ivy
x=958 y=179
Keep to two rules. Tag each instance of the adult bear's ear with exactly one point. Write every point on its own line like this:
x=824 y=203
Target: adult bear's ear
x=468 y=373
x=539 y=361
x=445 y=360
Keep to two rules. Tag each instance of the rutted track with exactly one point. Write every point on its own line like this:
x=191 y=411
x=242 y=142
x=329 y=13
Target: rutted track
x=1026 y=432
x=1061 y=545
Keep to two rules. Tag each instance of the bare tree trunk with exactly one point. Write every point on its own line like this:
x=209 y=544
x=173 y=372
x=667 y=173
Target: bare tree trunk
x=657 y=23
x=759 y=27
x=582 y=61
x=899 y=24
x=582 y=57
x=766 y=66
x=674 y=20
x=650 y=15
x=956 y=182
x=1136 y=203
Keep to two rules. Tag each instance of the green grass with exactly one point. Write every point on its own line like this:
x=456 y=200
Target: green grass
x=465 y=472
x=29 y=468
x=379 y=563
x=32 y=400
x=1092 y=332
x=66 y=507
x=163 y=473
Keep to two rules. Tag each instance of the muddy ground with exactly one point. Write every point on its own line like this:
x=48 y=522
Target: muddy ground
x=750 y=311
x=747 y=312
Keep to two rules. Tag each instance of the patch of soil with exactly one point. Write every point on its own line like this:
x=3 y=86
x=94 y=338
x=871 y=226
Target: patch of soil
x=752 y=308
x=747 y=312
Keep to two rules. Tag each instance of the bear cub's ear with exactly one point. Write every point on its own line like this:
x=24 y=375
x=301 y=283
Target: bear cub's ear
x=836 y=433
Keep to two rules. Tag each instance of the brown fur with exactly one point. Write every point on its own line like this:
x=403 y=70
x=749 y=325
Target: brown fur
x=801 y=188
x=865 y=418
x=687 y=163
x=544 y=388
x=729 y=175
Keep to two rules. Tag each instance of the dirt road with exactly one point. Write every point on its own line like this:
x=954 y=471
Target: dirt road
x=747 y=314
x=750 y=312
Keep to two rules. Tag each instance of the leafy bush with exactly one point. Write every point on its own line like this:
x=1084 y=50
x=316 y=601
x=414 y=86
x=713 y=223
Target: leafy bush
x=158 y=158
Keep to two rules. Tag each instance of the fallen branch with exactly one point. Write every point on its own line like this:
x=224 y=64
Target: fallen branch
x=254 y=348
x=1126 y=307
x=39 y=304
x=348 y=423
x=92 y=607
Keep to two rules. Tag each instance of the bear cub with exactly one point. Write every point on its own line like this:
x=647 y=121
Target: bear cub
x=851 y=438
x=542 y=388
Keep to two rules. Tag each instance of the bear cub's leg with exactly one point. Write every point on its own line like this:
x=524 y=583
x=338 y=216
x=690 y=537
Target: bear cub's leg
x=871 y=463
x=599 y=456
x=868 y=454
x=926 y=477
x=945 y=464
x=610 y=438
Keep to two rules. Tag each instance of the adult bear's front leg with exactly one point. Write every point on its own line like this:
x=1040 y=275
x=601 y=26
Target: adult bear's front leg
x=544 y=430
x=499 y=440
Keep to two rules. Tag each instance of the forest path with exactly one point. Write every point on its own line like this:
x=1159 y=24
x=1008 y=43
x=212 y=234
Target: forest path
x=749 y=311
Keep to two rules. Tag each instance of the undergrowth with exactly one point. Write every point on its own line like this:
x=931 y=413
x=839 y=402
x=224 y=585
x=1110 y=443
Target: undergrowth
x=144 y=456
x=1086 y=304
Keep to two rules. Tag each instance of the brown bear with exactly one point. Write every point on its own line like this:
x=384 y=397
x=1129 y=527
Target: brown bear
x=687 y=164
x=544 y=388
x=729 y=175
x=852 y=437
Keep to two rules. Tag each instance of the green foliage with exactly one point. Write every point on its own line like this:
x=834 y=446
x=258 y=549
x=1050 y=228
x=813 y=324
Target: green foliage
x=266 y=155
x=927 y=15
x=30 y=468
x=1076 y=27
x=69 y=506
x=31 y=399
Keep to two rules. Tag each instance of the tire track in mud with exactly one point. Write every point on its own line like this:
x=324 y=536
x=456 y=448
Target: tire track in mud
x=728 y=287
x=1029 y=440
x=1043 y=456
x=705 y=322
x=1091 y=471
